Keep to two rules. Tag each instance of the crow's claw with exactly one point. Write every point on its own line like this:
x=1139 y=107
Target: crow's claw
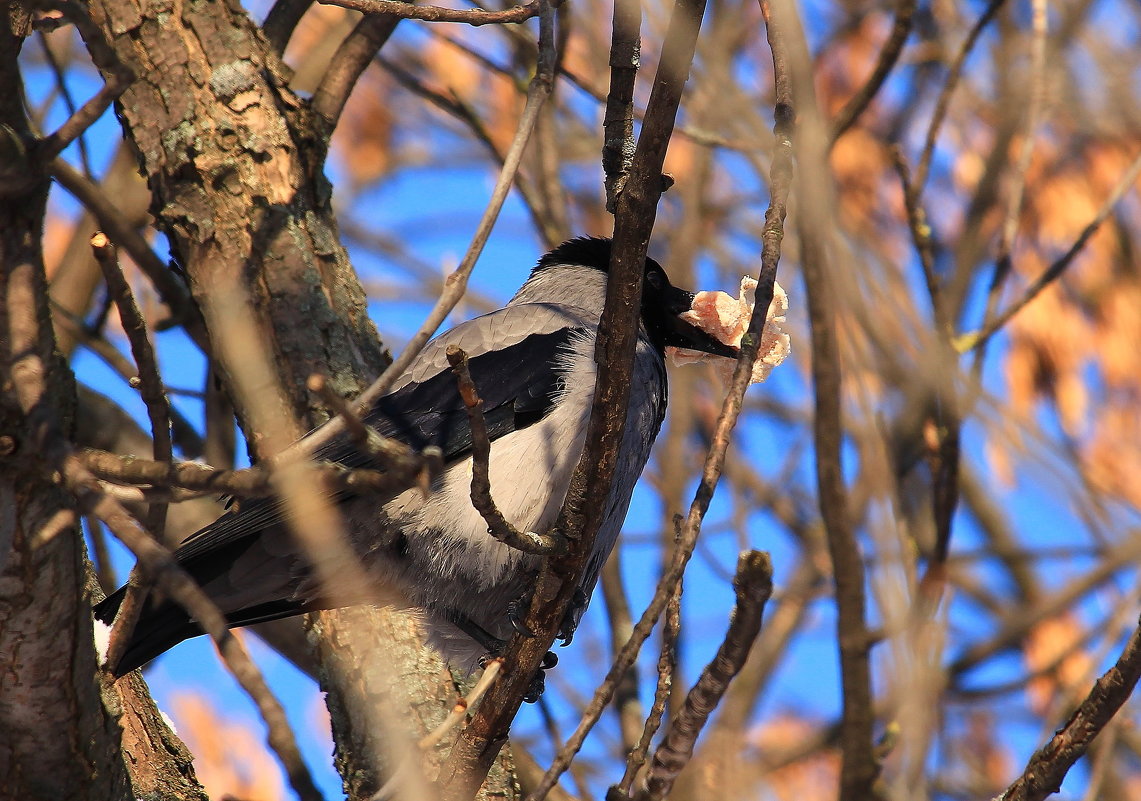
x=535 y=688
x=572 y=617
x=550 y=659
x=515 y=614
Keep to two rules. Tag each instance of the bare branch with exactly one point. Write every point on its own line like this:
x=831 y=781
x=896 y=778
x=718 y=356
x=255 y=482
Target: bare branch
x=670 y=630
x=1055 y=270
x=160 y=566
x=85 y=116
x=456 y=283
x=149 y=381
x=353 y=55
x=461 y=709
x=618 y=122
x=253 y=482
x=474 y=17
x=754 y=586
x=120 y=231
x=282 y=20
x=944 y=101
x=889 y=55
x=117 y=77
x=780 y=183
x=858 y=768
x=1048 y=767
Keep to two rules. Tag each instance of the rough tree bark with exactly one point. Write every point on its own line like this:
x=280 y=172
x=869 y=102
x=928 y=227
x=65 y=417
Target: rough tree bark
x=234 y=163
x=59 y=718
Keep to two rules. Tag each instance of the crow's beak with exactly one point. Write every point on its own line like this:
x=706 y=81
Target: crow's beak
x=682 y=334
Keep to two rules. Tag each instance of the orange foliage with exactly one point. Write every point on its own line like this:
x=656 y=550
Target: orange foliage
x=812 y=779
x=1055 y=639
x=1091 y=317
x=230 y=758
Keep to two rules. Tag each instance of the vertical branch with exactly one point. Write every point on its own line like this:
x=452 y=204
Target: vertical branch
x=668 y=654
x=618 y=122
x=582 y=513
x=858 y=769
x=794 y=84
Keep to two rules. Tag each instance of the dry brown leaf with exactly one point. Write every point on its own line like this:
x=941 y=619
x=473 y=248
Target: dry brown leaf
x=1044 y=645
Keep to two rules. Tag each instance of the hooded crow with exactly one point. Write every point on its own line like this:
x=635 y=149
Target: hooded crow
x=533 y=364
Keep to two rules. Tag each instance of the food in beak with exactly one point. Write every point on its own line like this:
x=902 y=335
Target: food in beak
x=727 y=318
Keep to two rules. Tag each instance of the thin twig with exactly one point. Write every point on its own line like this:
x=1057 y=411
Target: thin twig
x=172 y=291
x=85 y=116
x=461 y=709
x=944 y=101
x=475 y=17
x=666 y=657
x=889 y=55
x=920 y=230
x=1048 y=767
x=463 y=706
x=979 y=338
x=780 y=180
x=754 y=586
x=158 y=411
x=160 y=566
x=497 y=525
x=583 y=511
x=65 y=93
x=386 y=450
x=149 y=380
x=945 y=456
x=185 y=436
x=117 y=77
x=253 y=482
x=1009 y=229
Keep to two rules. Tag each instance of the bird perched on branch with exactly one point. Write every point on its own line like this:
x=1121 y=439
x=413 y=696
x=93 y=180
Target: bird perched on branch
x=533 y=364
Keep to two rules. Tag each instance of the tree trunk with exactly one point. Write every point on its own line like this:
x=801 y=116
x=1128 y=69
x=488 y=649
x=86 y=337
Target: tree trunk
x=234 y=162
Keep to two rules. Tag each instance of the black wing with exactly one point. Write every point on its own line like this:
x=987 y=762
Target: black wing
x=518 y=386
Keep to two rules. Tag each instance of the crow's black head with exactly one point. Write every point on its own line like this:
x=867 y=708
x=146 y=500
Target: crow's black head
x=662 y=302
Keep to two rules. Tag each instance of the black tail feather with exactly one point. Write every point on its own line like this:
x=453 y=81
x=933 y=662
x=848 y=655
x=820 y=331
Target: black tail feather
x=164 y=625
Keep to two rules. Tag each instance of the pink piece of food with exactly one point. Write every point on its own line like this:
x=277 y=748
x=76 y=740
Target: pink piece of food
x=727 y=319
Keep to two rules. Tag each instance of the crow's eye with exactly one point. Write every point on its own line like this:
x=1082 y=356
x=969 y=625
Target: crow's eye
x=655 y=279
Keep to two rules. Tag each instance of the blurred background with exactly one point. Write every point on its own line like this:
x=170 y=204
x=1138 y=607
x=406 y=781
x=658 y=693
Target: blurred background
x=980 y=655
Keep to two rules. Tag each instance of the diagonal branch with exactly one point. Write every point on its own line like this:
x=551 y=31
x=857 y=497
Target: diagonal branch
x=159 y=565
x=889 y=55
x=1055 y=270
x=1048 y=767
x=456 y=283
x=353 y=55
x=754 y=586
